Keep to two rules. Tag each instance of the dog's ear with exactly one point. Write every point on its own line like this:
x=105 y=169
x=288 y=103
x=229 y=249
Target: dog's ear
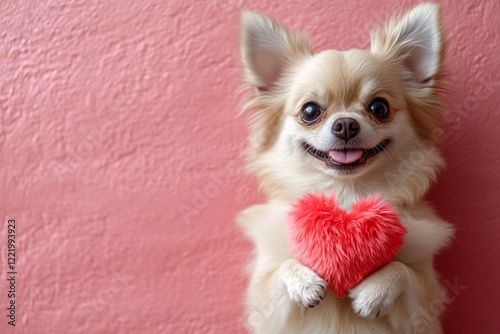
x=267 y=49
x=415 y=41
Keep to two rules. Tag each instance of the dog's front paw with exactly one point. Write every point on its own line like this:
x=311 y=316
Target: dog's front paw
x=304 y=286
x=370 y=300
x=375 y=296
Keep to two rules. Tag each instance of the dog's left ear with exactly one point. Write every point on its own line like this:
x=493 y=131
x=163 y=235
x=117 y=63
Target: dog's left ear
x=415 y=41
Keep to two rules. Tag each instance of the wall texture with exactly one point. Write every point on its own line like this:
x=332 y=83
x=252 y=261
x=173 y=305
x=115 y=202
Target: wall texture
x=121 y=159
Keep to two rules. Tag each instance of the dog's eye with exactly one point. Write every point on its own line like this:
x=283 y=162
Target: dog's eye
x=379 y=108
x=310 y=113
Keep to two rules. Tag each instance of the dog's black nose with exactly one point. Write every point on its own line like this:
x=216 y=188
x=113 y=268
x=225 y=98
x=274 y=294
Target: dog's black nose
x=345 y=128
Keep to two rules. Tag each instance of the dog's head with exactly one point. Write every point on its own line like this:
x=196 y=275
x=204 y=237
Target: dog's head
x=343 y=115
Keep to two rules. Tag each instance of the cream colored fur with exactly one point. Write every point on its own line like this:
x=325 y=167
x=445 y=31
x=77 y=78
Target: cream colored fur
x=404 y=66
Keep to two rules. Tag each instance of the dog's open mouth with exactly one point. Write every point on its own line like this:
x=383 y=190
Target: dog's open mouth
x=347 y=158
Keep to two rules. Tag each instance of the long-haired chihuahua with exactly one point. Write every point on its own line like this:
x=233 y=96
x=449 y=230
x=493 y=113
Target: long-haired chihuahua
x=354 y=122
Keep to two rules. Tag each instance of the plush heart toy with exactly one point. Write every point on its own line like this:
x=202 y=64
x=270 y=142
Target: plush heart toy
x=344 y=248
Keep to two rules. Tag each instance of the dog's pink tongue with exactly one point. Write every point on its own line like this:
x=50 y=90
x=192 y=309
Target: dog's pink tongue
x=346 y=157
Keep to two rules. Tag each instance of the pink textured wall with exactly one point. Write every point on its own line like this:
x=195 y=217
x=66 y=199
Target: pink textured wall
x=121 y=159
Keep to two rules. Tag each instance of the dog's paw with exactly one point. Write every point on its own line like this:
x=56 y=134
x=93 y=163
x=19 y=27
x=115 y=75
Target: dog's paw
x=371 y=300
x=303 y=285
x=375 y=296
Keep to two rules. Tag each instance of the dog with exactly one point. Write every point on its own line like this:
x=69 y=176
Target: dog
x=353 y=123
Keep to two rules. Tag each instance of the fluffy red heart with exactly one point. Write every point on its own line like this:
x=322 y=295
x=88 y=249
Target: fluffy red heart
x=344 y=248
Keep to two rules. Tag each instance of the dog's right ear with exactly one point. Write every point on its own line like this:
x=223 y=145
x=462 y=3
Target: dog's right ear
x=267 y=49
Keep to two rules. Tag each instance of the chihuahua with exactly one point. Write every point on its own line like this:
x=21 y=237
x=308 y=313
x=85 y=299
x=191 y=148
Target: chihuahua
x=353 y=123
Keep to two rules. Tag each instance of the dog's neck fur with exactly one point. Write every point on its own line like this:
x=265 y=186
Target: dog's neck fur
x=405 y=180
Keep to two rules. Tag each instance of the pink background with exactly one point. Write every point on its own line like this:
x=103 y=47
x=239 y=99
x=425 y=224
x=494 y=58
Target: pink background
x=117 y=116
